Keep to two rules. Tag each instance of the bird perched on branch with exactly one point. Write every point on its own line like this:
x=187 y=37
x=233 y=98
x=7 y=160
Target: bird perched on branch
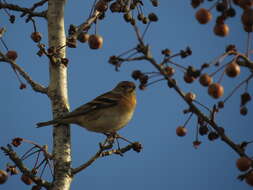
x=107 y=113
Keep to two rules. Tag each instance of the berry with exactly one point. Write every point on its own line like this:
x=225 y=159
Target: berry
x=181 y=131
x=153 y=17
x=220 y=104
x=140 y=16
x=247 y=17
x=188 y=78
x=245 y=98
x=237 y=2
x=128 y=17
x=169 y=71
x=137 y=147
x=203 y=130
x=196 y=3
x=36 y=36
x=190 y=96
x=213 y=136
x=205 y=80
x=221 y=29
x=115 y=7
x=203 y=16
x=95 y=41
x=249 y=178
x=22 y=86
x=101 y=6
x=243 y=164
x=36 y=187
x=145 y=20
x=3 y=176
x=231 y=47
x=166 y=52
x=222 y=6
x=243 y=110
x=12 y=170
x=232 y=70
x=83 y=37
x=245 y=4
x=136 y=74
x=196 y=143
x=231 y=12
x=155 y=3
x=215 y=90
x=26 y=179
x=12 y=55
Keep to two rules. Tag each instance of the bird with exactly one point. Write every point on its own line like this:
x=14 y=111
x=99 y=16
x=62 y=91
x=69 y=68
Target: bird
x=105 y=114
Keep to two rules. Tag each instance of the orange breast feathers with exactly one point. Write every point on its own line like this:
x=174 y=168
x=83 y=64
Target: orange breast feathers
x=128 y=102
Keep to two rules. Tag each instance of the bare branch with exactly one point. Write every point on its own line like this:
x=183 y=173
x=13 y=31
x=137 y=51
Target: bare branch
x=14 y=157
x=35 y=5
x=36 y=86
x=195 y=110
x=100 y=153
x=86 y=25
x=22 y=9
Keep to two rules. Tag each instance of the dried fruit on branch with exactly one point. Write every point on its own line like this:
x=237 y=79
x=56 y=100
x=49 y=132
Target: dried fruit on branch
x=203 y=16
x=205 y=80
x=3 y=176
x=181 y=131
x=233 y=70
x=215 y=90
x=221 y=29
x=95 y=41
x=243 y=164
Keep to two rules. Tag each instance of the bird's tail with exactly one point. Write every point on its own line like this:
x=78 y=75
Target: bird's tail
x=43 y=124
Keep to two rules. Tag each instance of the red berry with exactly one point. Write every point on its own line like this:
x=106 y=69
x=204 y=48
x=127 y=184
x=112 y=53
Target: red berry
x=169 y=71
x=243 y=164
x=205 y=80
x=215 y=90
x=244 y=110
x=22 y=86
x=83 y=37
x=232 y=70
x=190 y=96
x=36 y=36
x=188 y=78
x=3 y=176
x=12 y=55
x=249 y=178
x=26 y=179
x=203 y=16
x=95 y=41
x=221 y=29
x=181 y=131
x=196 y=143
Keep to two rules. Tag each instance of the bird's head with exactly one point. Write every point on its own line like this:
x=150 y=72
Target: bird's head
x=125 y=87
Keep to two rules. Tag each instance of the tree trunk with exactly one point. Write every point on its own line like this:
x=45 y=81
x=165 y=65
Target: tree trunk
x=58 y=94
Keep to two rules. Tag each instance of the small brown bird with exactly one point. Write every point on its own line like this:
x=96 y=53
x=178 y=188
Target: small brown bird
x=107 y=113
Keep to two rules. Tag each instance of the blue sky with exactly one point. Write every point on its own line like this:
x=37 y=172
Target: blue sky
x=167 y=161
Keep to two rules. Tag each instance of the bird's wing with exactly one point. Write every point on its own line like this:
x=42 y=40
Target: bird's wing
x=104 y=101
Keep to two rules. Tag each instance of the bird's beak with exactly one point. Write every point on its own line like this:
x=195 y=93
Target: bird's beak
x=133 y=88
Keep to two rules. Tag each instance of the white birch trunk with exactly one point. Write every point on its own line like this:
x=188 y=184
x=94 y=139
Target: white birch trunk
x=58 y=93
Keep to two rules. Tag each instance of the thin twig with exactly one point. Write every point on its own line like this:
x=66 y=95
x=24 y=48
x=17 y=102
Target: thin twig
x=22 y=9
x=101 y=153
x=18 y=162
x=237 y=87
x=36 y=86
x=189 y=118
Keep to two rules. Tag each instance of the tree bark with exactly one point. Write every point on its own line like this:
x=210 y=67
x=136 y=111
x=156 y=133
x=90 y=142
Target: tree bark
x=58 y=94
